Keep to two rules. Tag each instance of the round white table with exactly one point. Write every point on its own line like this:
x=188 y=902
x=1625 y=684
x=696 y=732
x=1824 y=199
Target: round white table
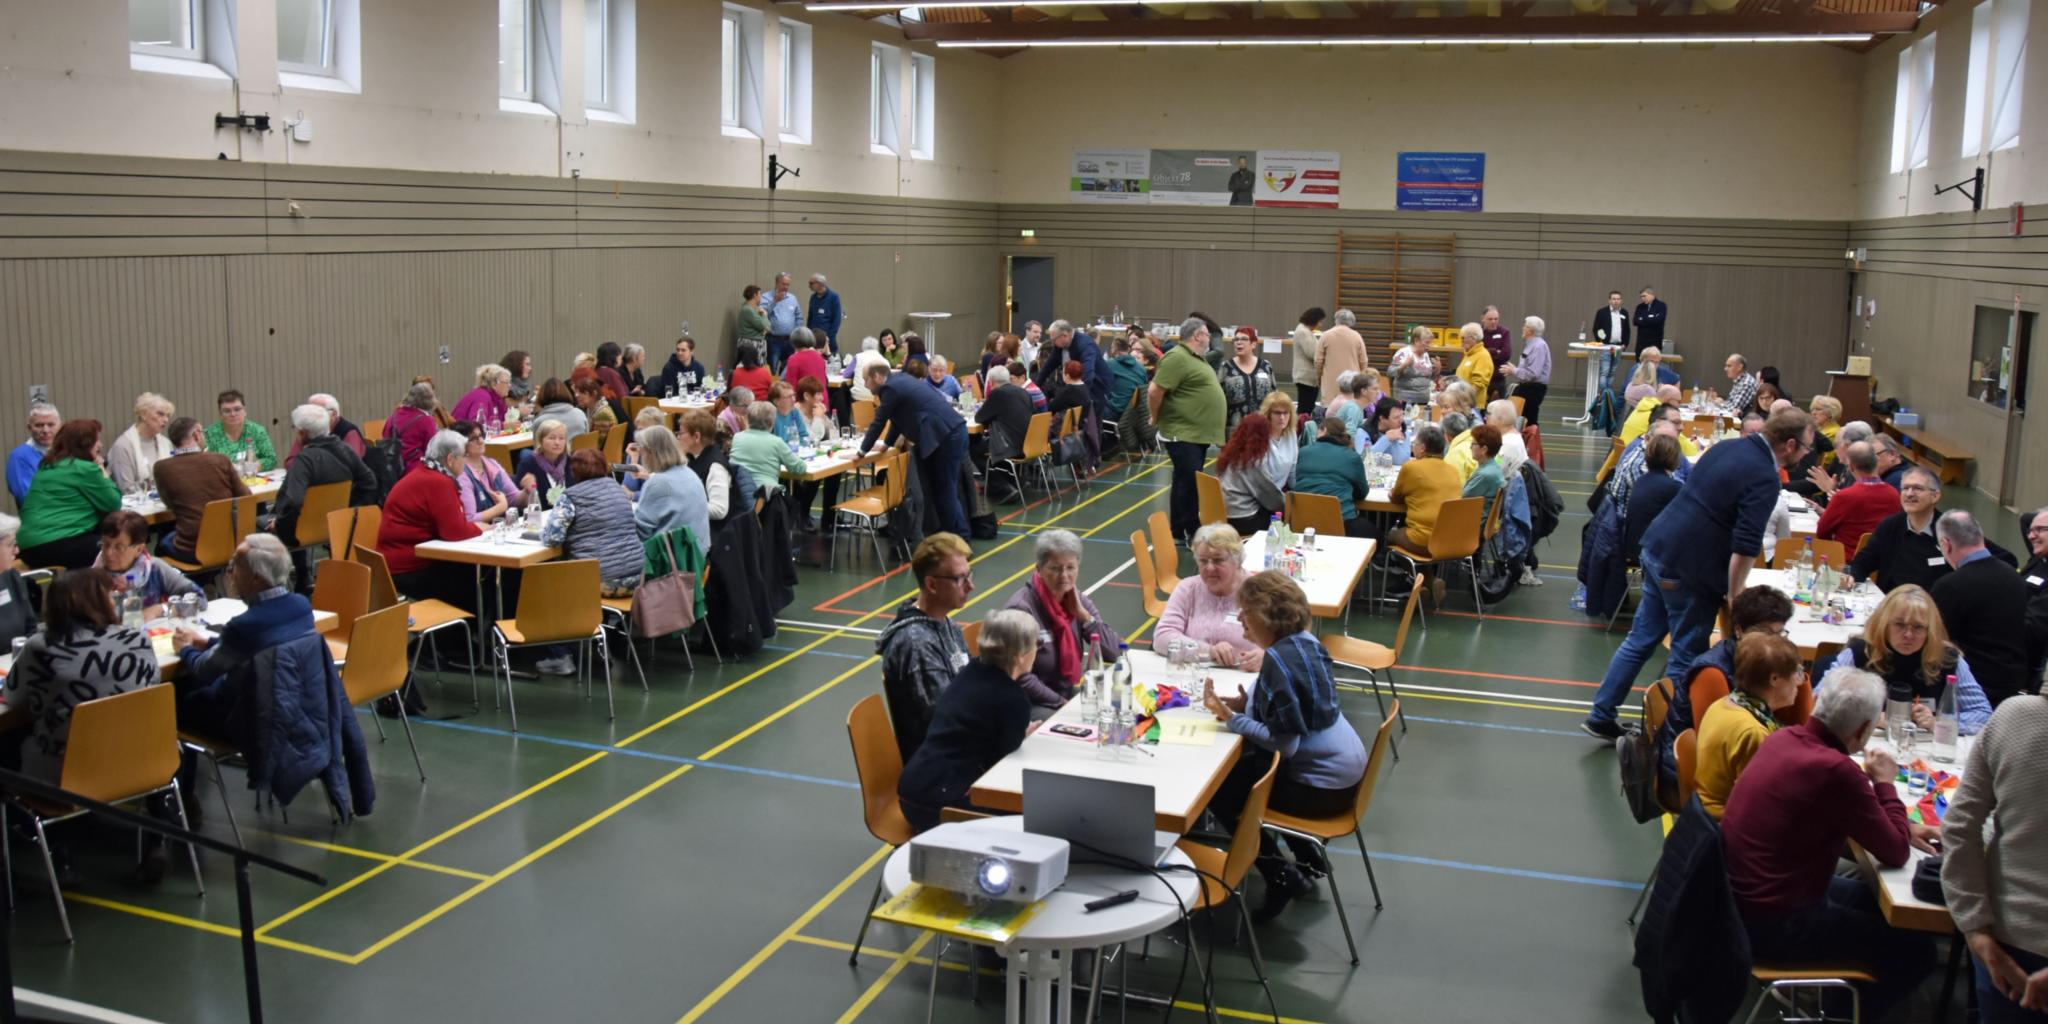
x=1042 y=951
x=931 y=328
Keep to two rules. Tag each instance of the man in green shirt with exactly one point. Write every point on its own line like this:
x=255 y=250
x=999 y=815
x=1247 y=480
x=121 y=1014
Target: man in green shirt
x=234 y=436
x=1186 y=403
x=760 y=452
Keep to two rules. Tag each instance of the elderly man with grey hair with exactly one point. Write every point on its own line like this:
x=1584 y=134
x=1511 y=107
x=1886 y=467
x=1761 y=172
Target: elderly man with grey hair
x=1072 y=345
x=1005 y=418
x=762 y=452
x=1340 y=350
x=1070 y=630
x=349 y=434
x=980 y=717
x=320 y=458
x=1984 y=605
x=1530 y=374
x=261 y=574
x=1800 y=798
x=22 y=463
x=825 y=314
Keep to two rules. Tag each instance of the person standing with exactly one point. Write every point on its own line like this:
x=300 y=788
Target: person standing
x=1994 y=878
x=1070 y=344
x=825 y=314
x=23 y=462
x=1699 y=551
x=1186 y=404
x=1611 y=323
x=936 y=430
x=750 y=324
x=1531 y=376
x=1476 y=368
x=234 y=436
x=783 y=318
x=1984 y=605
x=1649 y=321
x=1339 y=351
x=1497 y=350
x=1307 y=386
x=1241 y=184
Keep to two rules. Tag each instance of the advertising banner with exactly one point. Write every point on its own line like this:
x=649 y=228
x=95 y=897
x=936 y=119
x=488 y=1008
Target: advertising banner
x=1110 y=175
x=1454 y=182
x=1297 y=178
x=1202 y=177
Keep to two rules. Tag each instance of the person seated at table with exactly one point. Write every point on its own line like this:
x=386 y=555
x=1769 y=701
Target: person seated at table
x=806 y=362
x=763 y=455
x=1345 y=404
x=589 y=396
x=1127 y=374
x=414 y=423
x=1633 y=462
x=234 y=436
x=1855 y=510
x=982 y=715
x=1651 y=491
x=1796 y=805
x=1997 y=905
x=139 y=447
x=1386 y=431
x=1285 y=452
x=1426 y=481
x=814 y=418
x=1983 y=605
x=1500 y=414
x=17 y=610
x=519 y=364
x=593 y=519
x=1905 y=644
x=1652 y=409
x=1486 y=480
x=1827 y=424
x=1902 y=549
x=485 y=403
x=1456 y=396
x=1752 y=423
x=323 y=459
x=608 y=372
x=671 y=495
x=544 y=468
x=60 y=528
x=1818 y=482
x=922 y=647
x=1250 y=500
x=1293 y=711
x=488 y=493
x=683 y=373
x=350 y=434
x=82 y=653
x=728 y=489
x=1742 y=388
x=857 y=369
x=557 y=403
x=789 y=425
x=261 y=571
x=749 y=373
x=1757 y=611
x=1066 y=389
x=1647 y=377
x=1331 y=465
x=1064 y=617
x=1768 y=675
x=731 y=409
x=1203 y=608
x=993 y=353
x=43 y=421
x=940 y=377
x=1022 y=378
x=426 y=505
x=1005 y=417
x=188 y=480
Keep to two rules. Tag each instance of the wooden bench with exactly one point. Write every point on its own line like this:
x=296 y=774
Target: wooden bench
x=1949 y=460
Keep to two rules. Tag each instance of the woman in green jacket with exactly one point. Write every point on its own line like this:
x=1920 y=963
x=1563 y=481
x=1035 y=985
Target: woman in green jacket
x=753 y=321
x=61 y=524
x=1331 y=466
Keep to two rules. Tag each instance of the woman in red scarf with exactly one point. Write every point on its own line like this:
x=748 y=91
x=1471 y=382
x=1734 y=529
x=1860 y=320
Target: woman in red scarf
x=1068 y=623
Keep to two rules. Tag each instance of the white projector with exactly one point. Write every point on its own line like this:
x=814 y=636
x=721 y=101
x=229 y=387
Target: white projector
x=984 y=862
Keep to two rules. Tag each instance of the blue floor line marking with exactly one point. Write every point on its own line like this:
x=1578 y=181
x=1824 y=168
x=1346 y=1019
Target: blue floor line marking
x=630 y=752
x=828 y=654
x=1490 y=869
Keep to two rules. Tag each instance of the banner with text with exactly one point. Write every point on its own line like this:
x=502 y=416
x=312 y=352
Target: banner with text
x=1110 y=175
x=1201 y=177
x=1452 y=182
x=1297 y=178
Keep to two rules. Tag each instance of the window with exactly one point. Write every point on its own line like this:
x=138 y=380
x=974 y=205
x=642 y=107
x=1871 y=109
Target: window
x=2008 y=68
x=885 y=76
x=1993 y=344
x=608 y=60
x=515 y=49
x=923 y=91
x=739 y=85
x=1913 y=106
x=596 y=54
x=795 y=118
x=305 y=36
x=1978 y=83
x=169 y=28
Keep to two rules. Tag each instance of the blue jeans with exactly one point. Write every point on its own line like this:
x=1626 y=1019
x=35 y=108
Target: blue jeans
x=1846 y=925
x=1993 y=1007
x=940 y=473
x=779 y=351
x=1668 y=606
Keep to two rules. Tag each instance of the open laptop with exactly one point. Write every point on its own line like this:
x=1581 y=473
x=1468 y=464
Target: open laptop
x=1102 y=818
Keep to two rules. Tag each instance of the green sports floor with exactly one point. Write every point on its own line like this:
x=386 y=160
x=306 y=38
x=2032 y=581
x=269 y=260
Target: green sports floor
x=702 y=858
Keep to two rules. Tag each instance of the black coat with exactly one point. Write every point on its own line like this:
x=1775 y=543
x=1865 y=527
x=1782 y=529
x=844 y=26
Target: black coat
x=1599 y=323
x=1649 y=323
x=1006 y=415
x=1984 y=606
x=980 y=718
x=1691 y=946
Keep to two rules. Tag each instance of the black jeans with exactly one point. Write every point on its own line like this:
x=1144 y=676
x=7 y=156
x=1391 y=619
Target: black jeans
x=1848 y=926
x=1185 y=506
x=1532 y=399
x=1305 y=396
x=80 y=551
x=1293 y=797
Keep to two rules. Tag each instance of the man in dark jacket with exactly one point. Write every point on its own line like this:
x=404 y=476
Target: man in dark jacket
x=1610 y=323
x=683 y=372
x=1699 y=551
x=1068 y=343
x=1902 y=549
x=1005 y=416
x=934 y=426
x=824 y=315
x=322 y=459
x=923 y=649
x=261 y=570
x=1649 y=321
x=1984 y=605
x=2034 y=525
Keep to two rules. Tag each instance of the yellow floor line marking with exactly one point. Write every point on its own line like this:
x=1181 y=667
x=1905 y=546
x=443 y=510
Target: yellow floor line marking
x=895 y=968
x=1150 y=621
x=733 y=980
x=204 y=926
x=351 y=851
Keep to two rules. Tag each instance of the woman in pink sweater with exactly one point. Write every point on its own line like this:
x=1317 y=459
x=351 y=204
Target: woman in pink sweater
x=1204 y=608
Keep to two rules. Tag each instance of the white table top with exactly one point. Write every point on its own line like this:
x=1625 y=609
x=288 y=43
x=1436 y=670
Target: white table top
x=685 y=405
x=151 y=506
x=1901 y=907
x=1334 y=567
x=1586 y=349
x=487 y=550
x=819 y=466
x=1064 y=921
x=218 y=612
x=1806 y=630
x=1182 y=776
x=522 y=439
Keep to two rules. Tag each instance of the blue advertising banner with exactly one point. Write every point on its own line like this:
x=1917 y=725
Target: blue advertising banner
x=1453 y=182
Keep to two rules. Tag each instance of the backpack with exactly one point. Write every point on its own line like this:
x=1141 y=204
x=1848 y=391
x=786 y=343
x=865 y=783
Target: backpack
x=385 y=464
x=1636 y=750
x=1606 y=415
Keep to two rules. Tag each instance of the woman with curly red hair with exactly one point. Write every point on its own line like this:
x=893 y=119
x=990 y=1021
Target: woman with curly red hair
x=1250 y=497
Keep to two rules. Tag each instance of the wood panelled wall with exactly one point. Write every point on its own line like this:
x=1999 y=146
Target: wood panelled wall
x=184 y=277
x=1928 y=275
x=1775 y=291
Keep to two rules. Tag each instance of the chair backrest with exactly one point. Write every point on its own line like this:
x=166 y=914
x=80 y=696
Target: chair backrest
x=895 y=484
x=1520 y=402
x=972 y=382
x=1209 y=492
x=560 y=601
x=1789 y=548
x=348 y=527
x=124 y=745
x=373 y=430
x=1493 y=514
x=383 y=592
x=635 y=403
x=1148 y=575
x=1370 y=782
x=344 y=589
x=1862 y=542
x=1165 y=554
x=1407 y=616
x=1038 y=436
x=1244 y=842
x=1319 y=512
x=222 y=526
x=1686 y=749
x=376 y=654
x=588 y=439
x=615 y=443
x=1656 y=705
x=1613 y=456
x=1070 y=421
x=879 y=763
x=1457 y=529
x=321 y=501
x=863 y=414
x=972 y=633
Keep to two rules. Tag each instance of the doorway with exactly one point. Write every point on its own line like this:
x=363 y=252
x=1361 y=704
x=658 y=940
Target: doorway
x=1027 y=289
x=2019 y=334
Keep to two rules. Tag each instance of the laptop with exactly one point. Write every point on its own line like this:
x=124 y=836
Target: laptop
x=1102 y=818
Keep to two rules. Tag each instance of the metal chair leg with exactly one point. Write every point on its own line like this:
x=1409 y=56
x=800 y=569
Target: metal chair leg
x=1337 y=897
x=505 y=664
x=226 y=804
x=1369 y=875
x=865 y=920
x=191 y=851
x=379 y=719
x=50 y=868
x=406 y=720
x=1400 y=712
x=604 y=652
x=931 y=995
x=1374 y=678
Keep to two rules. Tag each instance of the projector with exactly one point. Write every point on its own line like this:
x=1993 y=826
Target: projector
x=988 y=863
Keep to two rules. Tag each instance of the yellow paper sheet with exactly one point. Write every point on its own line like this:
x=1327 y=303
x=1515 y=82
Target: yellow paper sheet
x=940 y=911
x=1188 y=730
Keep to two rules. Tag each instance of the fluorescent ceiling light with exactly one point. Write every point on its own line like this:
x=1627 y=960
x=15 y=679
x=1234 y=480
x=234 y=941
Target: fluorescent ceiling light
x=1679 y=40
x=870 y=5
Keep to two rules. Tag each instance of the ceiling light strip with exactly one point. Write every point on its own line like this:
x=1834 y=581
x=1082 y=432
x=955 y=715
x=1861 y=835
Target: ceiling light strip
x=1671 y=40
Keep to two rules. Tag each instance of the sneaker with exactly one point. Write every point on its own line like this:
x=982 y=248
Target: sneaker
x=1529 y=578
x=562 y=666
x=1604 y=731
x=1282 y=886
x=1437 y=589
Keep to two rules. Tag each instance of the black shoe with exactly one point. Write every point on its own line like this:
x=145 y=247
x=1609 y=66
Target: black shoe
x=1282 y=886
x=1310 y=860
x=1601 y=729
x=155 y=860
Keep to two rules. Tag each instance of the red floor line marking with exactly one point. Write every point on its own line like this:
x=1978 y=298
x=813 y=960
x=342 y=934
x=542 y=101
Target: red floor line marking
x=1515 y=618
x=1500 y=675
x=1117 y=583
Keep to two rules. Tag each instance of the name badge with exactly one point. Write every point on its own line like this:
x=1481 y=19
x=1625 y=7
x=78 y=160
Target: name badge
x=1937 y=560
x=1230 y=618
x=7 y=597
x=2032 y=581
x=959 y=660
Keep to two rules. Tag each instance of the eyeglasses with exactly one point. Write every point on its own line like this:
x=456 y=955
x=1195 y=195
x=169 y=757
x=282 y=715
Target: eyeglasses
x=960 y=580
x=1918 y=489
x=1214 y=563
x=1910 y=627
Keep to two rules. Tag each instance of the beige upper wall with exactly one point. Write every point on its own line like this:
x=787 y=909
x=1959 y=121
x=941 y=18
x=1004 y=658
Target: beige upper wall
x=429 y=101
x=1731 y=131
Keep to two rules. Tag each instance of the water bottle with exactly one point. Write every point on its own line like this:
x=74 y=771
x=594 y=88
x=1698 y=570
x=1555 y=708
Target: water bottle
x=1824 y=581
x=1105 y=729
x=1126 y=719
x=718 y=379
x=1270 y=557
x=533 y=513
x=131 y=608
x=1945 y=724
x=1802 y=572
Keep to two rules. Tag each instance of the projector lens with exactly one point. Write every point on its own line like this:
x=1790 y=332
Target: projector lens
x=994 y=876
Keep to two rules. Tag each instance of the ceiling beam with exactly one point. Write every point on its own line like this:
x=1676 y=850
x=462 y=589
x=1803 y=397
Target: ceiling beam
x=1452 y=27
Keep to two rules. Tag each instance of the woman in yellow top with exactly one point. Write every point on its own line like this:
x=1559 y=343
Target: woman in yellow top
x=1425 y=483
x=1768 y=672
x=1476 y=368
x=1827 y=422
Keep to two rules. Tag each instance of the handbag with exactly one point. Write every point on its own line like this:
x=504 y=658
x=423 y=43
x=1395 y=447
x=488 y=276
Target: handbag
x=668 y=603
x=1068 y=449
x=1927 y=881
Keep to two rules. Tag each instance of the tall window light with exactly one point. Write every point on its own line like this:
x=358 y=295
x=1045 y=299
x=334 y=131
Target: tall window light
x=305 y=36
x=596 y=54
x=795 y=106
x=923 y=105
x=167 y=28
x=739 y=85
x=609 y=60
x=515 y=49
x=2008 y=71
x=1913 y=106
x=885 y=77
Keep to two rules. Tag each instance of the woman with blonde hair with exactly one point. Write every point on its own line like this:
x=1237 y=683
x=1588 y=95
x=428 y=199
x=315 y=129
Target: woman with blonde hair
x=1906 y=645
x=1643 y=382
x=485 y=403
x=1826 y=411
x=1285 y=452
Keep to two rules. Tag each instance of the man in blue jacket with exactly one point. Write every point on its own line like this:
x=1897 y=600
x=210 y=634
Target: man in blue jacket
x=1069 y=343
x=261 y=572
x=1700 y=550
x=937 y=430
x=824 y=316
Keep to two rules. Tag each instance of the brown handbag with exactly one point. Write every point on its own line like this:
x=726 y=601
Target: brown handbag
x=668 y=603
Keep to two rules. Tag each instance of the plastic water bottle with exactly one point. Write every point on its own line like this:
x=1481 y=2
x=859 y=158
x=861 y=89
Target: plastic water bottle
x=1271 y=556
x=1824 y=583
x=1802 y=572
x=1126 y=719
x=131 y=608
x=533 y=512
x=1945 y=725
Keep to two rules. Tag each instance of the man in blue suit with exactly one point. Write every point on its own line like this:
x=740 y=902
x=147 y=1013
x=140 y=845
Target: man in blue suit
x=938 y=431
x=1699 y=551
x=1069 y=343
x=824 y=315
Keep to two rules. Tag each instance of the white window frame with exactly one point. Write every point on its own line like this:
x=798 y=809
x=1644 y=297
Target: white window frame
x=924 y=94
x=1913 y=106
x=343 y=71
x=195 y=12
x=885 y=86
x=1978 y=82
x=543 y=41
x=619 y=53
x=794 y=114
x=2008 y=73
x=525 y=91
x=211 y=55
x=597 y=46
x=740 y=105
x=327 y=33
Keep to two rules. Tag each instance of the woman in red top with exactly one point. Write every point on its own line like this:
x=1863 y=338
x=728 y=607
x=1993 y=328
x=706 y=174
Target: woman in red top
x=426 y=505
x=750 y=374
x=413 y=424
x=805 y=361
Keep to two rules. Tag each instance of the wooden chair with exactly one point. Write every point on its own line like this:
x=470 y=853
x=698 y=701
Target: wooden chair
x=972 y=382
x=1861 y=543
x=1223 y=869
x=617 y=613
x=1148 y=579
x=1318 y=512
x=863 y=414
x=1454 y=541
x=122 y=748
x=558 y=604
x=972 y=634
x=1165 y=554
x=1209 y=495
x=424 y=618
x=1788 y=551
x=872 y=505
x=1324 y=831
x=1686 y=750
x=378 y=668
x=320 y=502
x=634 y=405
x=348 y=527
x=222 y=527
x=615 y=443
x=590 y=439
x=1037 y=446
x=344 y=589
x=1656 y=705
x=1613 y=456
x=879 y=764
x=1520 y=401
x=1817 y=978
x=373 y=430
x=1377 y=658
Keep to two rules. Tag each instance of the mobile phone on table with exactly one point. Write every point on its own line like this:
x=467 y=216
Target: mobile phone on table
x=1077 y=731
